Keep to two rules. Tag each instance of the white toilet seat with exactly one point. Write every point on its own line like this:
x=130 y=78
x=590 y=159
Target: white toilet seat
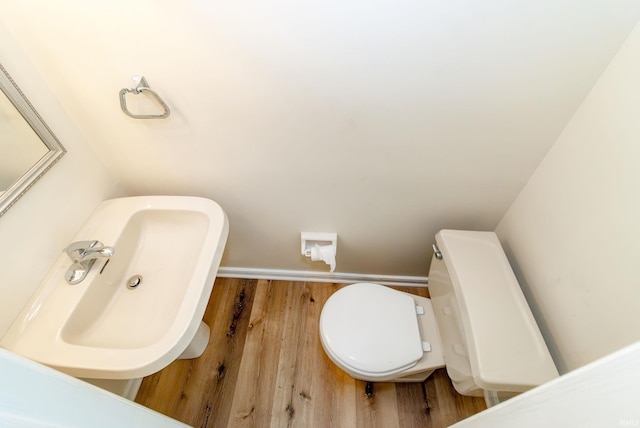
x=371 y=330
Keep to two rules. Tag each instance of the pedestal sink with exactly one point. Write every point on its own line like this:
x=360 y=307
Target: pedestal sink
x=168 y=250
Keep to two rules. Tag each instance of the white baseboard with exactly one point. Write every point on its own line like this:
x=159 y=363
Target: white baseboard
x=314 y=276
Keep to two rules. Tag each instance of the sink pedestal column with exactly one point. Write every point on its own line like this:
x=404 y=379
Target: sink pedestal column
x=198 y=343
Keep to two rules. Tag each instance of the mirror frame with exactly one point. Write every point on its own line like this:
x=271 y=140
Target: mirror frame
x=56 y=150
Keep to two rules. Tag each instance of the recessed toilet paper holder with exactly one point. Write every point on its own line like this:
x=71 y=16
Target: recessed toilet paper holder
x=309 y=239
x=320 y=247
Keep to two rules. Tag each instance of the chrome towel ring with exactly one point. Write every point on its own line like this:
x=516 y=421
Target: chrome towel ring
x=142 y=87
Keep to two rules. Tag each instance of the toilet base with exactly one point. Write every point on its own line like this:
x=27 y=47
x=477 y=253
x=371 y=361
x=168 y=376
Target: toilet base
x=417 y=377
x=409 y=376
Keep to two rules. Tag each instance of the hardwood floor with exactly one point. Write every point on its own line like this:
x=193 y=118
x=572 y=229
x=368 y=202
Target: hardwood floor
x=265 y=367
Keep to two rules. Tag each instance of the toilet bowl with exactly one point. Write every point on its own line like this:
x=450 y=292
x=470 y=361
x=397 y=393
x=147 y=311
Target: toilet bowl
x=379 y=334
x=477 y=324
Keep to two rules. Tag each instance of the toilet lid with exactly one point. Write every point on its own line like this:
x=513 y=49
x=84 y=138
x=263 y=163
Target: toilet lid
x=371 y=329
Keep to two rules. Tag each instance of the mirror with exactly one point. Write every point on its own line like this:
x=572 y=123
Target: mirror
x=28 y=148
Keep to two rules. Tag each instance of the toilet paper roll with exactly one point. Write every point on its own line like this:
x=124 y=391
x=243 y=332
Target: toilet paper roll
x=325 y=253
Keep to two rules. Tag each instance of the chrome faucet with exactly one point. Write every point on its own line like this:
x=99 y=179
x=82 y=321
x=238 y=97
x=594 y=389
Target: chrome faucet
x=84 y=254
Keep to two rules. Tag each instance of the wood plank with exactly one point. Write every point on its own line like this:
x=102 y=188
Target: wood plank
x=443 y=397
x=290 y=356
x=265 y=366
x=412 y=404
x=215 y=381
x=192 y=390
x=324 y=393
x=379 y=408
x=253 y=397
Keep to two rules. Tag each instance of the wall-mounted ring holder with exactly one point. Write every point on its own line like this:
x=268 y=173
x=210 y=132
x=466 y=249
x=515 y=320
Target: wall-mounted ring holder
x=142 y=87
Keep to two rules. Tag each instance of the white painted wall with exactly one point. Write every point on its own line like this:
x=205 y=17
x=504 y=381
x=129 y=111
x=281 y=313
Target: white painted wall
x=574 y=231
x=36 y=229
x=33 y=395
x=603 y=393
x=382 y=121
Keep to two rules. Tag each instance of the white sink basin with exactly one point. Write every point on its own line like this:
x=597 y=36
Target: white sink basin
x=100 y=328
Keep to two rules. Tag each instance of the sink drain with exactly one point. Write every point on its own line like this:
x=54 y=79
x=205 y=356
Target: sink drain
x=134 y=281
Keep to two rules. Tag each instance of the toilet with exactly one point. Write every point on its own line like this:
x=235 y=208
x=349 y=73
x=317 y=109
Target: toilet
x=476 y=323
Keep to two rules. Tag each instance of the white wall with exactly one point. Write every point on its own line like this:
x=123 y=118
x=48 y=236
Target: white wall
x=574 y=231
x=382 y=121
x=33 y=395
x=35 y=230
x=603 y=393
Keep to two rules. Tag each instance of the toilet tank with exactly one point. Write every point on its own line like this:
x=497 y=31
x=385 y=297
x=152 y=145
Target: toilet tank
x=491 y=341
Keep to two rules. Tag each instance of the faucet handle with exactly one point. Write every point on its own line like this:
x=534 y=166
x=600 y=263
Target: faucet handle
x=76 y=249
